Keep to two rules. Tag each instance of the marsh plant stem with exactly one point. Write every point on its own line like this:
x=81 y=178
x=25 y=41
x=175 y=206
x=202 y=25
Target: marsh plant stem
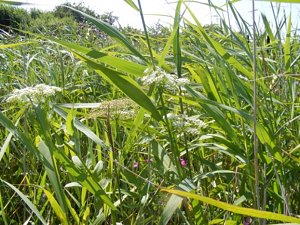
x=255 y=144
x=146 y=34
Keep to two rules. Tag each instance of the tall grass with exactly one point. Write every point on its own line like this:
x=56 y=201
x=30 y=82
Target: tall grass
x=130 y=123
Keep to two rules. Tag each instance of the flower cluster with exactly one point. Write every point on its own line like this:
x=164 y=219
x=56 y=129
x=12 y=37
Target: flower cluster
x=165 y=80
x=186 y=124
x=118 y=108
x=34 y=94
x=274 y=80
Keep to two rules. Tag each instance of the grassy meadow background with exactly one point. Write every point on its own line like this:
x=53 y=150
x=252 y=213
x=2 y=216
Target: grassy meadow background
x=186 y=124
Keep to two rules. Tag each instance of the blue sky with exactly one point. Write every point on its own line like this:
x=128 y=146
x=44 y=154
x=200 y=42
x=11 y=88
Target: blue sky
x=154 y=9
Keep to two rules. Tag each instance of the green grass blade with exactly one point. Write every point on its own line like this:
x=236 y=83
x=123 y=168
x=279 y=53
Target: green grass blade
x=104 y=58
x=173 y=38
x=51 y=170
x=16 y=44
x=132 y=4
x=170 y=208
x=5 y=145
x=27 y=201
x=268 y=28
x=17 y=133
x=56 y=207
x=235 y=209
x=287 y=47
x=47 y=149
x=176 y=42
x=2 y=209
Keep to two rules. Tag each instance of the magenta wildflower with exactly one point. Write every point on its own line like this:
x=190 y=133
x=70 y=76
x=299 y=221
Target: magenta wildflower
x=183 y=162
x=135 y=165
x=247 y=221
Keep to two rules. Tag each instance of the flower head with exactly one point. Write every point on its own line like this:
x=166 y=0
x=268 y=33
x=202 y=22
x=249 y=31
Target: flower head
x=163 y=79
x=183 y=162
x=35 y=94
x=135 y=165
x=186 y=124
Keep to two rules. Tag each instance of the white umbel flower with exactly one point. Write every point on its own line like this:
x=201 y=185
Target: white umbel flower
x=163 y=79
x=186 y=124
x=35 y=94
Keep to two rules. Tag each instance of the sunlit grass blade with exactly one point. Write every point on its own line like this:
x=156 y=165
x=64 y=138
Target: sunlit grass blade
x=287 y=46
x=170 y=208
x=56 y=207
x=174 y=38
x=235 y=209
x=132 y=4
x=176 y=42
x=18 y=134
x=5 y=145
x=47 y=149
x=104 y=58
x=268 y=28
x=15 y=45
x=52 y=175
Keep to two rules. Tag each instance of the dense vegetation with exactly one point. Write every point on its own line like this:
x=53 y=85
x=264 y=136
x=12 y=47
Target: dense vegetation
x=108 y=125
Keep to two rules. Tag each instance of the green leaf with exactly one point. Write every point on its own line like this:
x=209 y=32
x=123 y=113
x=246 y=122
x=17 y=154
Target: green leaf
x=287 y=47
x=170 y=208
x=5 y=145
x=69 y=122
x=131 y=3
x=235 y=209
x=56 y=207
x=15 y=45
x=17 y=133
x=47 y=150
x=268 y=28
x=120 y=64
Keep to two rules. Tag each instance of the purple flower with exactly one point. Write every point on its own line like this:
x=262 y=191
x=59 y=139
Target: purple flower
x=183 y=162
x=247 y=221
x=135 y=165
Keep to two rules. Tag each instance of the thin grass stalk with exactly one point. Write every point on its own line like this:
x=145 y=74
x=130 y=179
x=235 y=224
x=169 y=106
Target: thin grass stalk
x=146 y=34
x=115 y=156
x=178 y=61
x=3 y=214
x=256 y=168
x=283 y=192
